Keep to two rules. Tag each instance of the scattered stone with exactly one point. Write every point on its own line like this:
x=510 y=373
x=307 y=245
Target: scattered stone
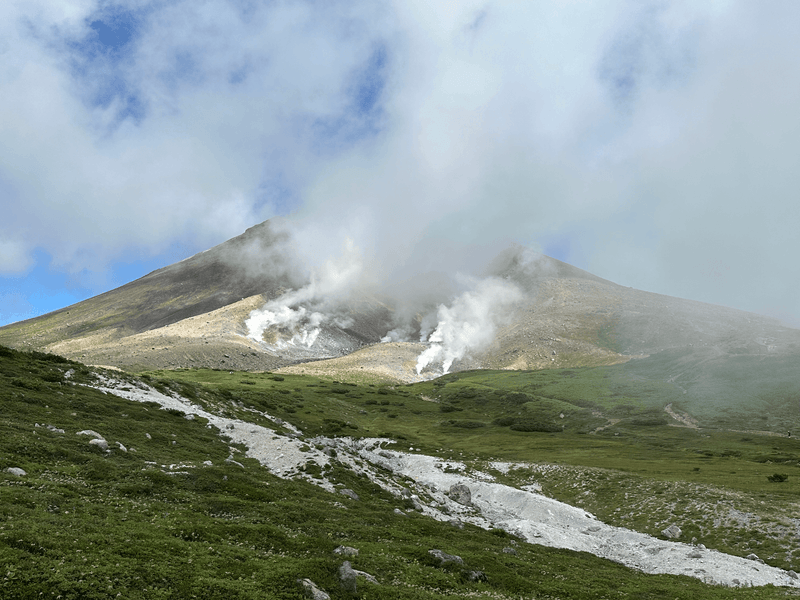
x=148 y=436
x=346 y=551
x=349 y=493
x=366 y=576
x=91 y=433
x=189 y=417
x=755 y=558
x=399 y=513
x=475 y=575
x=416 y=503
x=100 y=443
x=55 y=429
x=701 y=546
x=229 y=460
x=672 y=532
x=510 y=551
x=460 y=493
x=208 y=463
x=347 y=577
x=456 y=523
x=695 y=554
x=792 y=574
x=16 y=471
x=121 y=447
x=445 y=558
x=312 y=591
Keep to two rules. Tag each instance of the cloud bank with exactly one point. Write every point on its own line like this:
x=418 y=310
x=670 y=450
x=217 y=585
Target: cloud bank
x=653 y=143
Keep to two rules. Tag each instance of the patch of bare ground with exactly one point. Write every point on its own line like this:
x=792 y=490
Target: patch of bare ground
x=391 y=362
x=217 y=339
x=683 y=419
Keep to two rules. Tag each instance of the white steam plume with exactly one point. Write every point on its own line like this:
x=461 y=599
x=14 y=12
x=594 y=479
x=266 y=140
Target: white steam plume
x=469 y=324
x=296 y=317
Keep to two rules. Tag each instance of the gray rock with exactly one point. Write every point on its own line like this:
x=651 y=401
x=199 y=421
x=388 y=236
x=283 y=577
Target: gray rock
x=510 y=551
x=672 y=532
x=347 y=577
x=695 y=554
x=55 y=429
x=399 y=513
x=366 y=576
x=349 y=493
x=16 y=471
x=100 y=443
x=456 y=523
x=346 y=551
x=312 y=591
x=121 y=447
x=444 y=558
x=475 y=575
x=755 y=558
x=91 y=433
x=791 y=574
x=460 y=493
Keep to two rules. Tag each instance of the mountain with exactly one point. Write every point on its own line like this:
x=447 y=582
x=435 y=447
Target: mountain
x=193 y=313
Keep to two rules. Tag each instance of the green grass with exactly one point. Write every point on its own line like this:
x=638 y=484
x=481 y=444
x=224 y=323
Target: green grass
x=155 y=522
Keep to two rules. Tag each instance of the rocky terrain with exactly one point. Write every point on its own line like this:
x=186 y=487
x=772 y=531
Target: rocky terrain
x=450 y=491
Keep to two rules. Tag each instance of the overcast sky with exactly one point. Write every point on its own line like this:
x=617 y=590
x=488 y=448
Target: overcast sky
x=656 y=144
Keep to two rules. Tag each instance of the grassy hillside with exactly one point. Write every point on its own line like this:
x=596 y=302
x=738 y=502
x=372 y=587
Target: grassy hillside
x=156 y=521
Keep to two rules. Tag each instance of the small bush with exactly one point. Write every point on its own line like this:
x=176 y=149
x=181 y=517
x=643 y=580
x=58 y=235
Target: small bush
x=777 y=477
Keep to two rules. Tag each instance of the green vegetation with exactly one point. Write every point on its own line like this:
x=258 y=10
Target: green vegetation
x=156 y=521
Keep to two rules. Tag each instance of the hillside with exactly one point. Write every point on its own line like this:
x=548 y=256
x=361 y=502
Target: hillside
x=244 y=486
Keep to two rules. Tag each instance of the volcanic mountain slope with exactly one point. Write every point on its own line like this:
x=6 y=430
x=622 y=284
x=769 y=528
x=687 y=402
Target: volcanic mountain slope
x=190 y=313
x=193 y=314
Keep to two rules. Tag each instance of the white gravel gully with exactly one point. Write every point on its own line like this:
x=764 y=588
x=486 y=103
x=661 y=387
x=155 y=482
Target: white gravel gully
x=533 y=517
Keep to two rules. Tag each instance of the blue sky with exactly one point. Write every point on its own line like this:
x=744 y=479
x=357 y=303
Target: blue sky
x=653 y=143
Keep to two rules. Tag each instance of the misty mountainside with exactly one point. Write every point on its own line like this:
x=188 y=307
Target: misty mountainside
x=247 y=304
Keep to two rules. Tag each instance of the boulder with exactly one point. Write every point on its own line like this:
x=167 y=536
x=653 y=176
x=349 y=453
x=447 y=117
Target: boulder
x=312 y=591
x=672 y=532
x=16 y=471
x=91 y=433
x=349 y=493
x=346 y=551
x=347 y=577
x=456 y=523
x=460 y=493
x=510 y=551
x=475 y=575
x=445 y=558
x=100 y=443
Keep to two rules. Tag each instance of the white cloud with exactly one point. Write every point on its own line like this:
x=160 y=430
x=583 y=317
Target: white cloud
x=661 y=137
